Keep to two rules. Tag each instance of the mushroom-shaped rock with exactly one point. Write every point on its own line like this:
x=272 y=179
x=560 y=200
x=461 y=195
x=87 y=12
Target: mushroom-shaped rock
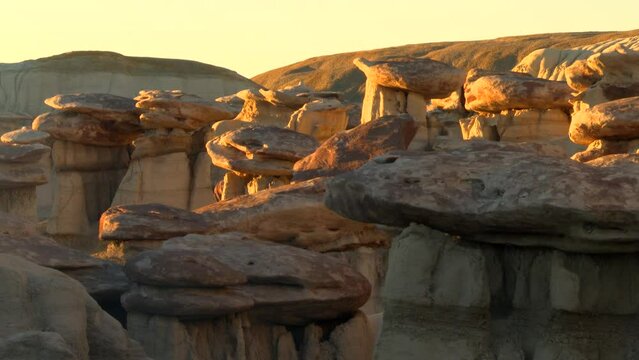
x=494 y=92
x=487 y=194
x=181 y=268
x=612 y=120
x=350 y=149
x=232 y=159
x=85 y=129
x=185 y=106
x=432 y=79
x=24 y=136
x=148 y=222
x=282 y=98
x=100 y=106
x=21 y=165
x=295 y=215
x=270 y=141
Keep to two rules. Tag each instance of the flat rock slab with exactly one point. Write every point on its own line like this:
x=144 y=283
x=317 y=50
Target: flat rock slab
x=264 y=262
x=186 y=303
x=24 y=136
x=46 y=252
x=22 y=154
x=431 y=78
x=85 y=129
x=612 y=120
x=185 y=106
x=492 y=192
x=494 y=92
x=181 y=268
x=148 y=222
x=294 y=215
x=101 y=106
x=270 y=141
x=232 y=159
x=350 y=149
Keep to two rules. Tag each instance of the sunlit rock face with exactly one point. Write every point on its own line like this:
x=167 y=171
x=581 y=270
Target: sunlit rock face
x=25 y=85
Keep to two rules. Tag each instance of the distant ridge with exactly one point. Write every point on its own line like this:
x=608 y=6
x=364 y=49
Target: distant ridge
x=337 y=73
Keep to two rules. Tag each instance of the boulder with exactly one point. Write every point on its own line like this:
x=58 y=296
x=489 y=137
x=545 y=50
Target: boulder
x=23 y=165
x=494 y=92
x=613 y=120
x=286 y=98
x=350 y=149
x=181 y=268
x=85 y=129
x=320 y=119
x=25 y=136
x=269 y=142
x=184 y=106
x=36 y=299
x=431 y=78
x=100 y=106
x=148 y=222
x=479 y=193
x=296 y=215
x=232 y=159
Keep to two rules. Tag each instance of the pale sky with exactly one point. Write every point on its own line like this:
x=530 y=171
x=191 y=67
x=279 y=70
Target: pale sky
x=253 y=36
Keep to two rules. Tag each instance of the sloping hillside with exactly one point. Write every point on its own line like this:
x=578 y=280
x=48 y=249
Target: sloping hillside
x=24 y=85
x=337 y=72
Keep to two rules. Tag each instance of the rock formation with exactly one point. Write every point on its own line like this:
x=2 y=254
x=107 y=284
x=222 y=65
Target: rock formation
x=25 y=85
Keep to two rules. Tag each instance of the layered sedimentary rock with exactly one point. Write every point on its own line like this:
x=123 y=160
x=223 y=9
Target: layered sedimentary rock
x=48 y=315
x=320 y=119
x=27 y=84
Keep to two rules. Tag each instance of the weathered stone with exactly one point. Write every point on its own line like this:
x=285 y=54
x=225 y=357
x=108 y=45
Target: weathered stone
x=431 y=78
x=202 y=182
x=613 y=120
x=148 y=222
x=184 y=106
x=270 y=142
x=351 y=149
x=22 y=154
x=320 y=119
x=161 y=179
x=162 y=119
x=296 y=215
x=230 y=158
x=233 y=185
x=160 y=143
x=181 y=268
x=70 y=156
x=100 y=106
x=24 y=136
x=36 y=299
x=224 y=126
x=381 y=101
x=283 y=98
x=186 y=303
x=580 y=76
x=473 y=192
x=69 y=212
x=260 y=183
x=600 y=148
x=85 y=129
x=494 y=92
x=35 y=345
